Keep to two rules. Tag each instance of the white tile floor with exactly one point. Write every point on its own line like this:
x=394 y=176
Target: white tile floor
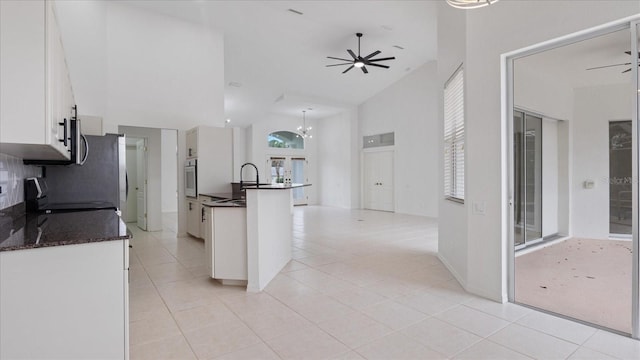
x=362 y=285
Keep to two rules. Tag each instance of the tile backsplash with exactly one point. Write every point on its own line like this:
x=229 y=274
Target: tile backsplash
x=12 y=174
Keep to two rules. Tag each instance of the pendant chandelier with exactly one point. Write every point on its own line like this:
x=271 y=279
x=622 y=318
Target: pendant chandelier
x=470 y=4
x=304 y=130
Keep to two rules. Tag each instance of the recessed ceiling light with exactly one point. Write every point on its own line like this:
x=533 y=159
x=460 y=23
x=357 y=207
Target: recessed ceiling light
x=398 y=47
x=235 y=84
x=295 y=11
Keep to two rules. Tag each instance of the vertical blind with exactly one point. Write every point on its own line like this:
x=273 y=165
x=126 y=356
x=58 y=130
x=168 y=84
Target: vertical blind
x=454 y=136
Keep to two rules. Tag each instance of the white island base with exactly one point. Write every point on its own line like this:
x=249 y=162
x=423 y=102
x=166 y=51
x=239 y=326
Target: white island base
x=269 y=235
x=250 y=245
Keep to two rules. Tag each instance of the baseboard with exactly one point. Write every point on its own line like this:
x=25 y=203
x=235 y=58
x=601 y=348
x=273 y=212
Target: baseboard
x=453 y=272
x=465 y=286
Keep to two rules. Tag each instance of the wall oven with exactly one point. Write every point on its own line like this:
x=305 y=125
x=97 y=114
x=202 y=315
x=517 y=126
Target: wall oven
x=191 y=178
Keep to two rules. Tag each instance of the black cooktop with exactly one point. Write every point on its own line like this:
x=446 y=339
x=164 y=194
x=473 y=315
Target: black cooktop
x=68 y=207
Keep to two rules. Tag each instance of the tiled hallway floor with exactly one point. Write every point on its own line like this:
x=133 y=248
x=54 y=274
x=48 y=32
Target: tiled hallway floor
x=362 y=284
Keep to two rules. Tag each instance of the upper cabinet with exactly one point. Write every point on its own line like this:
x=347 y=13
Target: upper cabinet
x=36 y=98
x=192 y=143
x=213 y=146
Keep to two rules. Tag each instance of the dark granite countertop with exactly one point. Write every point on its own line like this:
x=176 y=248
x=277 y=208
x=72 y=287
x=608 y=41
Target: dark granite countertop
x=275 y=186
x=20 y=231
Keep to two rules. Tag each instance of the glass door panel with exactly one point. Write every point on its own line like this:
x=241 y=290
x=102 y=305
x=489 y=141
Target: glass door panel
x=518 y=190
x=620 y=172
x=527 y=136
x=533 y=177
x=298 y=176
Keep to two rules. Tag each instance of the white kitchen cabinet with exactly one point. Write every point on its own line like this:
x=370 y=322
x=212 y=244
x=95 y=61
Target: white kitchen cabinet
x=213 y=147
x=35 y=92
x=65 y=302
x=192 y=143
x=226 y=243
x=194 y=217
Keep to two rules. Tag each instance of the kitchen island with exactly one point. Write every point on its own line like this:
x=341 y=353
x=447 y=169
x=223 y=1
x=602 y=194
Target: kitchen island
x=63 y=285
x=249 y=242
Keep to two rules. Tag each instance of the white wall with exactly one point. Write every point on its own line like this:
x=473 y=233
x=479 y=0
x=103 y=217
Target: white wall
x=550 y=180
x=452 y=216
x=541 y=93
x=258 y=149
x=338 y=160
x=140 y=68
x=490 y=32
x=551 y=98
x=594 y=107
x=409 y=108
x=169 y=170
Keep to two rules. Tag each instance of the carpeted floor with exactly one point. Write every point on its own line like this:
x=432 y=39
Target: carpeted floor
x=585 y=279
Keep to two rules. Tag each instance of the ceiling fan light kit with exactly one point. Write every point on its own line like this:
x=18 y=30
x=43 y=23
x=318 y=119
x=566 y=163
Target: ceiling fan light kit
x=470 y=4
x=359 y=61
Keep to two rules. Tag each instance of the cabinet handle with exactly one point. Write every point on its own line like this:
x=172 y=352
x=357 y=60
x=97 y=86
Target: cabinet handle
x=202 y=214
x=190 y=152
x=64 y=139
x=190 y=206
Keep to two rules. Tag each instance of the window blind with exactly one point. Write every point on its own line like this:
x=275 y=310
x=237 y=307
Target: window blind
x=454 y=136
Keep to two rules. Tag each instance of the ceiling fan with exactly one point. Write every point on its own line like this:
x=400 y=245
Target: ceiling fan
x=623 y=64
x=359 y=61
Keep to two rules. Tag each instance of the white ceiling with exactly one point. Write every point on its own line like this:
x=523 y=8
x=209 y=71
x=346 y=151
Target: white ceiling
x=277 y=54
x=568 y=64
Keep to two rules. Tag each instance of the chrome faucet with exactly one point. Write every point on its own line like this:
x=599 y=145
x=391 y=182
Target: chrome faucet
x=257 y=177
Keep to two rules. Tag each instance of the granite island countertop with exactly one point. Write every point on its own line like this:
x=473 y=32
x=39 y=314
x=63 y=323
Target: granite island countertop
x=238 y=199
x=29 y=231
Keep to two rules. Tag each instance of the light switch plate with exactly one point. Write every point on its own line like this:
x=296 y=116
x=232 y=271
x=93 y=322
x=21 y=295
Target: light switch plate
x=479 y=207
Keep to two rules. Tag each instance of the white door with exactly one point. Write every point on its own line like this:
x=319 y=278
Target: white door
x=141 y=186
x=298 y=166
x=277 y=166
x=378 y=180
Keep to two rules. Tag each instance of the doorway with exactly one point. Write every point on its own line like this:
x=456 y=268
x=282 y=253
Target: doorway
x=136 y=157
x=280 y=167
x=378 y=180
x=577 y=84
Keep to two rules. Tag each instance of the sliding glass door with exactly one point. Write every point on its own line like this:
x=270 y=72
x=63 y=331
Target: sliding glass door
x=527 y=149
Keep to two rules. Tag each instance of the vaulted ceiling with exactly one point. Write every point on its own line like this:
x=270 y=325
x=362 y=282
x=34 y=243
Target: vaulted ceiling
x=275 y=58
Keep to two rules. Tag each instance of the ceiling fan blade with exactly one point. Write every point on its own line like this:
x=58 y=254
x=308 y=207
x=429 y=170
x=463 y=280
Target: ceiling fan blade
x=378 y=65
x=381 y=59
x=607 y=66
x=364 y=70
x=349 y=68
x=352 y=54
x=335 y=58
x=626 y=71
x=349 y=63
x=372 y=55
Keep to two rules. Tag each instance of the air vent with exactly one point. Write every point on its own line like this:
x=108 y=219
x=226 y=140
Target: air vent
x=398 y=47
x=295 y=11
x=235 y=84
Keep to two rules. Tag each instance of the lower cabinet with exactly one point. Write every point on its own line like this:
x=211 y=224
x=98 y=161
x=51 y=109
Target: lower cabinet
x=65 y=302
x=194 y=218
x=226 y=242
